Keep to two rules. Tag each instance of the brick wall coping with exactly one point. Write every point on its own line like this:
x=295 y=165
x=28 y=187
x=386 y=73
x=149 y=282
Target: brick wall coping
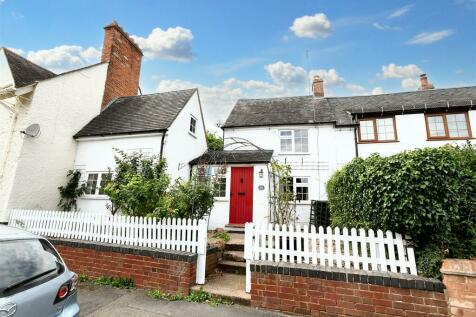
x=347 y=275
x=127 y=249
x=462 y=267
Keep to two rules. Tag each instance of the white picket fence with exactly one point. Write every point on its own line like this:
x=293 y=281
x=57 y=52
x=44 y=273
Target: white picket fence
x=171 y=234
x=360 y=250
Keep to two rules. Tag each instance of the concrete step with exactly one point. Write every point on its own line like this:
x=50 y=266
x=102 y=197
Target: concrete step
x=235 y=229
x=237 y=256
x=227 y=286
x=236 y=243
x=232 y=267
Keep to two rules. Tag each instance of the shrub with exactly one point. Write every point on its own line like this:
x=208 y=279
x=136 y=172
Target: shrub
x=139 y=185
x=191 y=199
x=427 y=193
x=215 y=143
x=72 y=191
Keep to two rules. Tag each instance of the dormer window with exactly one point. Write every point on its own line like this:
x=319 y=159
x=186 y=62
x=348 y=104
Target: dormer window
x=193 y=125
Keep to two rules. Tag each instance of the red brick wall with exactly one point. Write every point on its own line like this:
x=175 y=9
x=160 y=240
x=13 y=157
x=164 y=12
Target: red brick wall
x=149 y=272
x=124 y=57
x=459 y=277
x=326 y=297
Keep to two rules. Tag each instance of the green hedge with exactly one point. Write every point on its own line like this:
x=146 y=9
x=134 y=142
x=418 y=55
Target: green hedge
x=427 y=193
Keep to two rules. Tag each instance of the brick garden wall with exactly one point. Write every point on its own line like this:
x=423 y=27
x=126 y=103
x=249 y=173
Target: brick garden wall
x=167 y=270
x=213 y=257
x=459 y=277
x=310 y=290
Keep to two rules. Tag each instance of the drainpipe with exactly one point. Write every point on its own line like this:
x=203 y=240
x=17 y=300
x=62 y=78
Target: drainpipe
x=162 y=143
x=356 y=142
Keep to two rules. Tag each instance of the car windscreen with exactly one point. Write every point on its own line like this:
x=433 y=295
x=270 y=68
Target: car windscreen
x=25 y=261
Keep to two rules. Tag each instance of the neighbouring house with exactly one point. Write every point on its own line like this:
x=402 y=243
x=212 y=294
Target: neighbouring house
x=32 y=167
x=169 y=125
x=316 y=135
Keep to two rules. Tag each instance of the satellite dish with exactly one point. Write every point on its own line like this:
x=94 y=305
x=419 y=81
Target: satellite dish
x=32 y=130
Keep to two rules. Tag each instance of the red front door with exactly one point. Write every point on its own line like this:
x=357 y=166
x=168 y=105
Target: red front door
x=241 y=193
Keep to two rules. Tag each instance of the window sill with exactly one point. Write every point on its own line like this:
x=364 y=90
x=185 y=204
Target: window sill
x=221 y=199
x=294 y=153
x=372 y=142
x=95 y=197
x=192 y=134
x=449 y=139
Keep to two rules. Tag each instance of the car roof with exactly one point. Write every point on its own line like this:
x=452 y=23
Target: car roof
x=11 y=233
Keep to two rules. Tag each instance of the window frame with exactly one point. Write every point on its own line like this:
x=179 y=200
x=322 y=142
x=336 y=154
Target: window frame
x=292 y=185
x=374 y=124
x=293 y=141
x=445 y=124
x=192 y=119
x=212 y=172
x=98 y=187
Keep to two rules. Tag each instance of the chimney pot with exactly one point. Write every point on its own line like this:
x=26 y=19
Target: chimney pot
x=424 y=83
x=318 y=86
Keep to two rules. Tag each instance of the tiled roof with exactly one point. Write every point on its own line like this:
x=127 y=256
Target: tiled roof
x=138 y=114
x=338 y=110
x=236 y=157
x=23 y=71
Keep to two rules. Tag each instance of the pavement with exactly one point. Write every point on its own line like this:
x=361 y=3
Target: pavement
x=105 y=301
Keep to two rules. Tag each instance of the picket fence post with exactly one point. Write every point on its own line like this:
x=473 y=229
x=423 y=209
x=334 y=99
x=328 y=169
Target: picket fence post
x=201 y=251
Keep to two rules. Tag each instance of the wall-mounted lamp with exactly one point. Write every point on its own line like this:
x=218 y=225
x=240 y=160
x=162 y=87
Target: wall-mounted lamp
x=261 y=173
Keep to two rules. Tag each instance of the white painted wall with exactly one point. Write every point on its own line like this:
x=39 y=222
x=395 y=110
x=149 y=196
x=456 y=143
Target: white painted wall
x=180 y=145
x=37 y=166
x=329 y=149
x=411 y=131
x=96 y=154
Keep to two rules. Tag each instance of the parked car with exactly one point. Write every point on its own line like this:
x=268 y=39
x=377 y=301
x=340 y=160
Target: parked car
x=34 y=280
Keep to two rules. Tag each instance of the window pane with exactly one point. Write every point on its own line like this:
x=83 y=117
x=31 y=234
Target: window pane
x=105 y=178
x=457 y=127
x=436 y=126
x=300 y=141
x=22 y=259
x=286 y=142
x=367 y=130
x=302 y=193
x=91 y=184
x=193 y=124
x=385 y=129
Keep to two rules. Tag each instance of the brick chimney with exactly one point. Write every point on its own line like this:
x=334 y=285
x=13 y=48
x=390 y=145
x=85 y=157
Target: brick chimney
x=318 y=86
x=424 y=83
x=124 y=57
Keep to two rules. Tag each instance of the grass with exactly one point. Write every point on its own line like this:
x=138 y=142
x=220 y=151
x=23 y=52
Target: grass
x=222 y=235
x=83 y=278
x=199 y=296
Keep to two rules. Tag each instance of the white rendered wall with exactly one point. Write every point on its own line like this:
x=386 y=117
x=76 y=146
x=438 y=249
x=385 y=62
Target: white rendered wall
x=180 y=145
x=96 y=154
x=329 y=149
x=62 y=106
x=411 y=131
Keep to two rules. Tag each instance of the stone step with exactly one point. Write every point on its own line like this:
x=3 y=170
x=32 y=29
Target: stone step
x=237 y=256
x=235 y=229
x=226 y=286
x=236 y=243
x=232 y=267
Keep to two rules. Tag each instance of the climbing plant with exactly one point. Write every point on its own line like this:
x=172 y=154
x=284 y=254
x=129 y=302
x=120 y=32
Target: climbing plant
x=73 y=189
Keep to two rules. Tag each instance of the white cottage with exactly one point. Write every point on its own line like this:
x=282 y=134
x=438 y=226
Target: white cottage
x=316 y=135
x=169 y=125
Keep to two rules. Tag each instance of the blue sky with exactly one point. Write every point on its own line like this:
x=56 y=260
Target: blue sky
x=240 y=49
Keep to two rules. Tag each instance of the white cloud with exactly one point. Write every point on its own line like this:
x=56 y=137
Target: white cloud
x=430 y=37
x=19 y=51
x=384 y=27
x=171 y=44
x=315 y=26
x=409 y=74
x=330 y=76
x=355 y=89
x=286 y=73
x=410 y=83
x=377 y=91
x=400 y=11
x=65 y=57
x=395 y=71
